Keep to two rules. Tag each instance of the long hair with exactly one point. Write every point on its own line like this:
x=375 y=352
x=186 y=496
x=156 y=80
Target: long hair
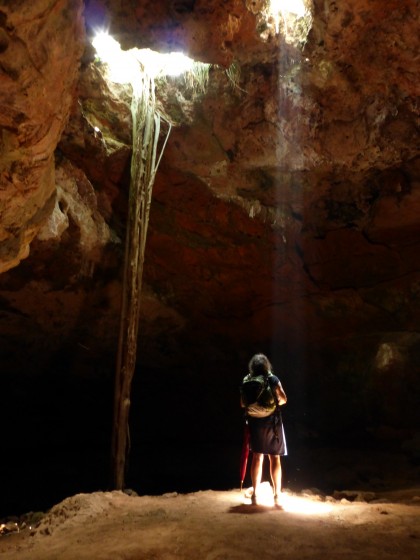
x=259 y=365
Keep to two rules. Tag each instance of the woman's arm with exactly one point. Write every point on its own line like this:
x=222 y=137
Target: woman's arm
x=280 y=394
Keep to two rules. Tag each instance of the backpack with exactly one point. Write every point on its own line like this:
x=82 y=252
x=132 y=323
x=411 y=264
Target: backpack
x=257 y=395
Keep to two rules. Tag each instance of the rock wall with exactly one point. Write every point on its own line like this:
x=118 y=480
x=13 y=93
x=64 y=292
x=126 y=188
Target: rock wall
x=41 y=44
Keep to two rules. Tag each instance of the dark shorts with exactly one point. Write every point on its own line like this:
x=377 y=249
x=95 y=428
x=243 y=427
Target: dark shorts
x=267 y=435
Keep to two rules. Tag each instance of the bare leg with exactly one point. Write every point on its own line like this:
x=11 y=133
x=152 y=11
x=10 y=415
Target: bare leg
x=256 y=471
x=275 y=472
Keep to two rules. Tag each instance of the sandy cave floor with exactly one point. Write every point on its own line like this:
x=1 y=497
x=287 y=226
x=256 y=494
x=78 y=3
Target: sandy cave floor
x=217 y=525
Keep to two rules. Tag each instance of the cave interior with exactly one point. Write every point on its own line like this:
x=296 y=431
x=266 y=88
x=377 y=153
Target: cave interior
x=284 y=219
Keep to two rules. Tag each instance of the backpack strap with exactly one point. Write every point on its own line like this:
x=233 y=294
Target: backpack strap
x=277 y=416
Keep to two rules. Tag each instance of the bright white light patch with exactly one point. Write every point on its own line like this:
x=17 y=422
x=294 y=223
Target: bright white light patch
x=105 y=45
x=265 y=494
x=291 y=504
x=305 y=506
x=124 y=65
x=176 y=63
x=296 y=7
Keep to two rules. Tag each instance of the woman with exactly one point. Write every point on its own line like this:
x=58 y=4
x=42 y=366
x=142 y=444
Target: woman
x=265 y=423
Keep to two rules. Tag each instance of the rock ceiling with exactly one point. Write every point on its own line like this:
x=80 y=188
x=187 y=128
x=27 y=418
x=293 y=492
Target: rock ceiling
x=285 y=214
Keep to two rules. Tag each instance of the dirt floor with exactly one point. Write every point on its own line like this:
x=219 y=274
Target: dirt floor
x=219 y=525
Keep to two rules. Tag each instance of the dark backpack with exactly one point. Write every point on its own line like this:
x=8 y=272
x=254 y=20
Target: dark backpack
x=257 y=390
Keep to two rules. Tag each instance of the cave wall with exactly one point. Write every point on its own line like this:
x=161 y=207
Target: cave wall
x=41 y=43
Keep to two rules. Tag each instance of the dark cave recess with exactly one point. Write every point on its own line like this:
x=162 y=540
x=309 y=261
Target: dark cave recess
x=58 y=444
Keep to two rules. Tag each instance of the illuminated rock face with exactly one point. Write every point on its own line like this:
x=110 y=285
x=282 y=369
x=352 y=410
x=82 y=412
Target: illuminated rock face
x=41 y=43
x=285 y=215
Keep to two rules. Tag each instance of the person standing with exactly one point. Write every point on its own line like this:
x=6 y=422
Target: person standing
x=262 y=395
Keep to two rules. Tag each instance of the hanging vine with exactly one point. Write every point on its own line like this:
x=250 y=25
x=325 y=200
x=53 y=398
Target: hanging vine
x=146 y=131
